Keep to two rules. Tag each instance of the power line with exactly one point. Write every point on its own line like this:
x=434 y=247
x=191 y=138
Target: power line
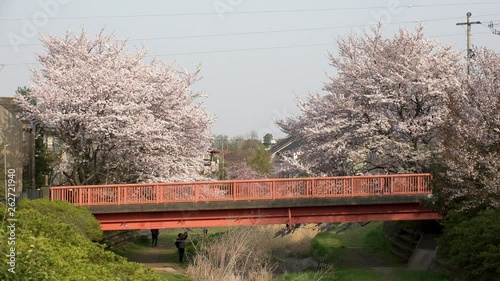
x=213 y=52
x=251 y=49
x=491 y=25
x=266 y=32
x=264 y=11
x=245 y=49
x=282 y=47
x=456 y=34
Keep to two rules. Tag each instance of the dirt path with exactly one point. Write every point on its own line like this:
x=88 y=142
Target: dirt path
x=366 y=258
x=370 y=259
x=158 y=258
x=163 y=258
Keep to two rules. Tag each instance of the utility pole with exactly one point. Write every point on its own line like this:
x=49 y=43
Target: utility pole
x=469 y=50
x=5 y=168
x=222 y=158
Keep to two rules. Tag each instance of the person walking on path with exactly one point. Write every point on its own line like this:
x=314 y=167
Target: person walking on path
x=180 y=243
x=154 y=237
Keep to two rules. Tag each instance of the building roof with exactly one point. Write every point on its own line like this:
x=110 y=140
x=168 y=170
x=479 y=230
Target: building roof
x=10 y=104
x=286 y=144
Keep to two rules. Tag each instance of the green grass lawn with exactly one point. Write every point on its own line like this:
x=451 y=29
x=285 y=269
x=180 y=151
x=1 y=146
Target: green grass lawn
x=358 y=254
x=353 y=274
x=350 y=254
x=341 y=248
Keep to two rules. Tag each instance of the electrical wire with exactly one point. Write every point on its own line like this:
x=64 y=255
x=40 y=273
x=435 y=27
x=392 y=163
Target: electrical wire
x=252 y=49
x=266 y=32
x=265 y=11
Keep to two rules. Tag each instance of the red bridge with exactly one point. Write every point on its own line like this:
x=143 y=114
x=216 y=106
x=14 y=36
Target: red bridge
x=250 y=202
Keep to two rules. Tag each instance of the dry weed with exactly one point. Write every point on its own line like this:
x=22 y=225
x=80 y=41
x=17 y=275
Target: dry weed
x=240 y=254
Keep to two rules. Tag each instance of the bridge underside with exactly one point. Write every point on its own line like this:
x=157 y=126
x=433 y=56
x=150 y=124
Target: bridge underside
x=207 y=215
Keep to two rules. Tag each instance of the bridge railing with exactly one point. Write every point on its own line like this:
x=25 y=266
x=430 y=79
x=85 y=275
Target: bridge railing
x=262 y=189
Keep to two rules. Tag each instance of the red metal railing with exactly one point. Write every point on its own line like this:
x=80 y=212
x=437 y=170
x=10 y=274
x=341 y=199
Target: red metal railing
x=262 y=189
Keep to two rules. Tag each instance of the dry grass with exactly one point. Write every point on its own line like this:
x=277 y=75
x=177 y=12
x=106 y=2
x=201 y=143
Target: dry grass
x=240 y=254
x=297 y=244
x=246 y=253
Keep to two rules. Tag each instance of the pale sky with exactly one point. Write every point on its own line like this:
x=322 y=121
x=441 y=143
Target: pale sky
x=257 y=57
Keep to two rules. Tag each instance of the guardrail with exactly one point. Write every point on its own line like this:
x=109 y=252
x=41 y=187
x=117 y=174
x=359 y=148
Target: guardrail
x=261 y=189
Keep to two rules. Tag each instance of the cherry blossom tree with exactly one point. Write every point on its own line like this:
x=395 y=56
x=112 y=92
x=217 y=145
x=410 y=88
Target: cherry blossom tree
x=472 y=146
x=120 y=118
x=383 y=109
x=245 y=158
x=243 y=171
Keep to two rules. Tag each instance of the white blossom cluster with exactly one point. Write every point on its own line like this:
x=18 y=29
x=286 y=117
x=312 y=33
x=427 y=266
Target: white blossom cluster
x=384 y=109
x=472 y=152
x=122 y=119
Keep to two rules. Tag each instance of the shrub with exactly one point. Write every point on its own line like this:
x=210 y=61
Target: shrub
x=66 y=213
x=471 y=242
x=48 y=248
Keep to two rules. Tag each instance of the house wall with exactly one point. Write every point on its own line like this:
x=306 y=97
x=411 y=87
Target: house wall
x=11 y=143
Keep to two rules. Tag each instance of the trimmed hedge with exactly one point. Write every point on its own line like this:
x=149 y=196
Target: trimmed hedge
x=53 y=241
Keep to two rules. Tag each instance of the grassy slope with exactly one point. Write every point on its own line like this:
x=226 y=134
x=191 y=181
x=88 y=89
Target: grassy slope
x=359 y=253
x=352 y=253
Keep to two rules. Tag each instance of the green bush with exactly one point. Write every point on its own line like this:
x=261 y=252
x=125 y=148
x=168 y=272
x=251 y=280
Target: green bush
x=48 y=246
x=471 y=242
x=64 y=212
x=376 y=240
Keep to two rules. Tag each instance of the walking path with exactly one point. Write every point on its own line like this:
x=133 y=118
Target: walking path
x=161 y=258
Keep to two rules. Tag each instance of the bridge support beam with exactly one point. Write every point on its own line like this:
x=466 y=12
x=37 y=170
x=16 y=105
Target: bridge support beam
x=262 y=216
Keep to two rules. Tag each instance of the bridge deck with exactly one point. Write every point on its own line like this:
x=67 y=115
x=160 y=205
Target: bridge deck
x=263 y=189
x=249 y=202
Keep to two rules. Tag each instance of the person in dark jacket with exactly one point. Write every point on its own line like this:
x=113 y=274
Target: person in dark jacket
x=180 y=243
x=154 y=237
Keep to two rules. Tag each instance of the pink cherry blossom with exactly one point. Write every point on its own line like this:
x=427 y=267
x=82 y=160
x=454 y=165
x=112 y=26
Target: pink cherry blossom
x=383 y=110
x=120 y=118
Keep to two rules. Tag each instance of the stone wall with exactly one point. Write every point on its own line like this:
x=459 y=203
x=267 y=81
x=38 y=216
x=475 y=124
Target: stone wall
x=403 y=241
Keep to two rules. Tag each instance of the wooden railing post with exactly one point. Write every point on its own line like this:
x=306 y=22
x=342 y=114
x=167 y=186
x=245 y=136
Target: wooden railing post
x=125 y=197
x=196 y=192
x=234 y=190
x=88 y=196
x=352 y=186
x=273 y=189
x=118 y=195
x=80 y=197
x=419 y=184
x=313 y=188
x=308 y=187
x=392 y=185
